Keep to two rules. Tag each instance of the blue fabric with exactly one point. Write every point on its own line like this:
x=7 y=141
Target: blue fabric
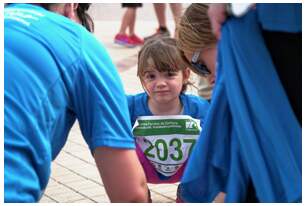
x=55 y=72
x=194 y=106
x=280 y=17
x=251 y=132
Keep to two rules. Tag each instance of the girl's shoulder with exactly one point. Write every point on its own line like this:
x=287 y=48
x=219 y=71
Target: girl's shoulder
x=138 y=104
x=136 y=98
x=195 y=106
x=194 y=100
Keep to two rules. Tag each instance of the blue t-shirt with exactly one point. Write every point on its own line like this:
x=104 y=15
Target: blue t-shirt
x=194 y=106
x=55 y=72
x=280 y=17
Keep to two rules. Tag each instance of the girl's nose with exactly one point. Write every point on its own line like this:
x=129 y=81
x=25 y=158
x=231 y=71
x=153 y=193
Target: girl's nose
x=161 y=82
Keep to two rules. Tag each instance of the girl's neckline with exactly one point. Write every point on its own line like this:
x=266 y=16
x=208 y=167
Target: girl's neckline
x=179 y=111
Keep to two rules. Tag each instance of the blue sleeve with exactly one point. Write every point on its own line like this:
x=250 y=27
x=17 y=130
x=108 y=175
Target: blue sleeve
x=99 y=99
x=130 y=100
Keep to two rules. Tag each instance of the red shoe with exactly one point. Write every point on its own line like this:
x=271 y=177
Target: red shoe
x=124 y=40
x=136 y=40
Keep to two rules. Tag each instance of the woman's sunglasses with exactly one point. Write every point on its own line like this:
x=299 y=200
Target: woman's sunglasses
x=199 y=67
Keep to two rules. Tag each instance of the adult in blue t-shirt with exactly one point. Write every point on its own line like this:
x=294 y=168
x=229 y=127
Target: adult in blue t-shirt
x=251 y=149
x=56 y=72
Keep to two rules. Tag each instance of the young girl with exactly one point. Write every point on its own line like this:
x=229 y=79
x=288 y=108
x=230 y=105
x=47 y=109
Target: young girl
x=166 y=121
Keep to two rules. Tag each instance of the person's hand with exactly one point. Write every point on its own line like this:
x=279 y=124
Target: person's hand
x=220 y=197
x=217 y=15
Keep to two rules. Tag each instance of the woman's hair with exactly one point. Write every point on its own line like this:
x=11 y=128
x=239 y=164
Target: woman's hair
x=82 y=9
x=194 y=30
x=161 y=54
x=84 y=17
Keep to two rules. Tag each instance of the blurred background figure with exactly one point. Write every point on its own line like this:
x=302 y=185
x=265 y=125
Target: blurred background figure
x=128 y=22
x=251 y=149
x=160 y=11
x=42 y=103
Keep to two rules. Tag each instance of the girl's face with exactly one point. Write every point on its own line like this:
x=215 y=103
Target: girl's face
x=164 y=87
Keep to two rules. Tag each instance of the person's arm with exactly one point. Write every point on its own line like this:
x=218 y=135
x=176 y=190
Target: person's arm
x=220 y=198
x=122 y=174
x=100 y=105
x=217 y=15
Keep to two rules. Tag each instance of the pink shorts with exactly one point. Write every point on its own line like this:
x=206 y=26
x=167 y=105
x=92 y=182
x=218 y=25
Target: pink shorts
x=151 y=173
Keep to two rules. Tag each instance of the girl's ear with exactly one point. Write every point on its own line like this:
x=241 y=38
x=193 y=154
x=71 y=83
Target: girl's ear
x=186 y=75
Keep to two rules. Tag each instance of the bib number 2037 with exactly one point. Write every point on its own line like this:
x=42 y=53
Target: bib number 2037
x=163 y=151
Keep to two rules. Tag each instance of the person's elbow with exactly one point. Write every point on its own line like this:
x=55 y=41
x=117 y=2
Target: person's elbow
x=122 y=175
x=136 y=194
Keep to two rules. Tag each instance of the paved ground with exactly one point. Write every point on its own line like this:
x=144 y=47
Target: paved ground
x=74 y=176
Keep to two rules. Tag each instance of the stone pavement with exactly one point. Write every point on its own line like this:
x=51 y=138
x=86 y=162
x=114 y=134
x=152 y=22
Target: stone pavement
x=74 y=177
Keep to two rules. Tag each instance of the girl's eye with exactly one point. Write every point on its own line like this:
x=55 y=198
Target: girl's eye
x=149 y=76
x=171 y=74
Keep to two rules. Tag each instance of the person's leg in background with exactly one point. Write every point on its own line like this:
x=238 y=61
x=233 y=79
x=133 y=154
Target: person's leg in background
x=131 y=25
x=162 y=30
x=133 y=37
x=128 y=22
x=176 y=9
x=160 y=12
x=121 y=37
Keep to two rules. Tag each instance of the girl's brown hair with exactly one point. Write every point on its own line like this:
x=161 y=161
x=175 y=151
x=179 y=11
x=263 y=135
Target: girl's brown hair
x=194 y=30
x=161 y=54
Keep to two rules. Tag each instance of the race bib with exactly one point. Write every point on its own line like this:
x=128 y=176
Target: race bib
x=166 y=141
